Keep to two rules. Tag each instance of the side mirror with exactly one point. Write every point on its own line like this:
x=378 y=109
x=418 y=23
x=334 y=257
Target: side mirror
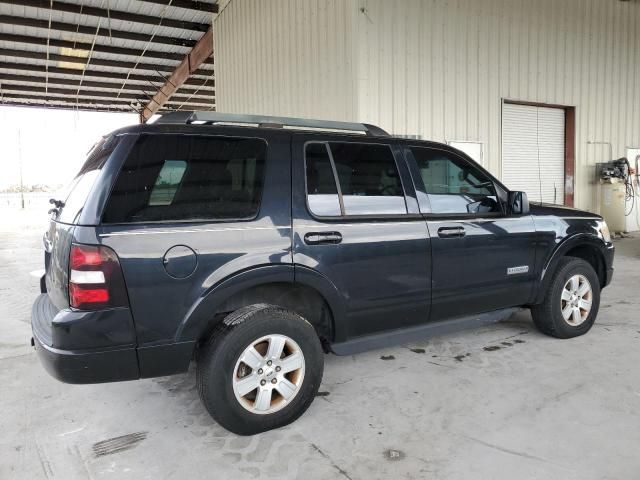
x=518 y=203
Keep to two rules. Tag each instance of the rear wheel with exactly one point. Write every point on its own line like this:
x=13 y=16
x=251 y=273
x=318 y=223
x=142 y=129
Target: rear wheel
x=571 y=301
x=260 y=370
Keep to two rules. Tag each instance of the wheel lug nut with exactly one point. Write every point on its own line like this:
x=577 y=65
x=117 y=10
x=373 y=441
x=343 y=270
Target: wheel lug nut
x=263 y=382
x=274 y=381
x=259 y=371
x=278 y=369
x=269 y=362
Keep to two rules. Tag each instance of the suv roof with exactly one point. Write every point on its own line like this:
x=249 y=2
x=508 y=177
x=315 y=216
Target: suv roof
x=266 y=121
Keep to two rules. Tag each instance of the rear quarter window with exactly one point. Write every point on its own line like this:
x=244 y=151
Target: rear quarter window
x=170 y=177
x=78 y=191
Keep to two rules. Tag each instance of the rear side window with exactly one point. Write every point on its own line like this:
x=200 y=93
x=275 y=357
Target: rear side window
x=168 y=182
x=188 y=177
x=79 y=189
x=353 y=179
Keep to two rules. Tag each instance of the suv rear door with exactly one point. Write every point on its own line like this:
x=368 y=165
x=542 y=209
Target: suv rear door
x=356 y=222
x=483 y=258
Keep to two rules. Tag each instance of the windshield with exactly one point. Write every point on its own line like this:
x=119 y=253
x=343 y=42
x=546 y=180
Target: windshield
x=76 y=194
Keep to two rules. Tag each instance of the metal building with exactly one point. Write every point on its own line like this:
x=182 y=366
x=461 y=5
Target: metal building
x=536 y=90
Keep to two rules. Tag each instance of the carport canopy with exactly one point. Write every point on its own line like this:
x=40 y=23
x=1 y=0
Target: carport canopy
x=144 y=56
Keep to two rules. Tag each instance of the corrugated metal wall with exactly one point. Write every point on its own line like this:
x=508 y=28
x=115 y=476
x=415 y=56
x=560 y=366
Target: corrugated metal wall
x=439 y=68
x=286 y=57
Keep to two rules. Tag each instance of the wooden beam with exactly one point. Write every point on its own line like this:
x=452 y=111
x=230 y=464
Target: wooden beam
x=104 y=13
x=189 y=65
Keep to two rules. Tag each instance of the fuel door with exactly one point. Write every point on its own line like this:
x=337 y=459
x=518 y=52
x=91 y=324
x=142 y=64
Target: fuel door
x=180 y=261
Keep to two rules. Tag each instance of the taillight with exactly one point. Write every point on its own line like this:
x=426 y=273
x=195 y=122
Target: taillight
x=95 y=278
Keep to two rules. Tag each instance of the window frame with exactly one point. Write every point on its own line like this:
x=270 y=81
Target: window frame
x=344 y=215
x=198 y=221
x=421 y=190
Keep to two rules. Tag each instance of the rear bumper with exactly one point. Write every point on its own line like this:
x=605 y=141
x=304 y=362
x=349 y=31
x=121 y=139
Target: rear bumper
x=56 y=333
x=88 y=367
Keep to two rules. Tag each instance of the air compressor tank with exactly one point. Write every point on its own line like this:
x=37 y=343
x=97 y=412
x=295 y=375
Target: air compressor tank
x=613 y=204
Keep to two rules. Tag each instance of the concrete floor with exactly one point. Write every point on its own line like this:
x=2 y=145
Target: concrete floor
x=448 y=408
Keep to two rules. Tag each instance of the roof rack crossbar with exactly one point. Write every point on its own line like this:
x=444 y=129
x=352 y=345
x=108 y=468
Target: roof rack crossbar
x=210 y=118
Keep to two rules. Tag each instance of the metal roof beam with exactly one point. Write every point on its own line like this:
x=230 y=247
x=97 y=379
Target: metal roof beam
x=104 y=13
x=81 y=62
x=85 y=93
x=91 y=30
x=115 y=76
x=71 y=93
x=188 y=4
x=87 y=47
x=67 y=106
x=70 y=100
x=54 y=81
x=189 y=65
x=86 y=104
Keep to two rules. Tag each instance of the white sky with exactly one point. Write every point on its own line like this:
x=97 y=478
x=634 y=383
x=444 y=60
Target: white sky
x=53 y=143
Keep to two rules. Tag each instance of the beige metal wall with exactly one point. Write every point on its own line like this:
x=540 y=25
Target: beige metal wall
x=439 y=68
x=286 y=57
x=442 y=68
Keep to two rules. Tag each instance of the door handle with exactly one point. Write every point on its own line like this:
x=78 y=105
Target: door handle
x=322 y=238
x=451 y=232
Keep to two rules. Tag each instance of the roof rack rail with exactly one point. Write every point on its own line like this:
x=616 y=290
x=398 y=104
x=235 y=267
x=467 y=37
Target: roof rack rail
x=211 y=118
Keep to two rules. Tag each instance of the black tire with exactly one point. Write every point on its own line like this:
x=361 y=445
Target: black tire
x=548 y=317
x=216 y=365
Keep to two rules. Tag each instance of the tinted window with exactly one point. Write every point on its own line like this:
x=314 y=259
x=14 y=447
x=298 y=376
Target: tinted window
x=186 y=177
x=321 y=184
x=78 y=191
x=453 y=185
x=368 y=180
x=168 y=182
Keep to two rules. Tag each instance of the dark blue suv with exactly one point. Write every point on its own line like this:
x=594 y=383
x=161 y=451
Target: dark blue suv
x=254 y=245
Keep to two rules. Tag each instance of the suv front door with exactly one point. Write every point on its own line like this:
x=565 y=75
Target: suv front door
x=483 y=258
x=356 y=223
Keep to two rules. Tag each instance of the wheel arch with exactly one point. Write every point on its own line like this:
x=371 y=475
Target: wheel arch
x=585 y=246
x=307 y=293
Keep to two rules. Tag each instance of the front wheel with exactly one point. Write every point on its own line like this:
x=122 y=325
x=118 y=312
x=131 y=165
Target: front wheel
x=260 y=370
x=571 y=301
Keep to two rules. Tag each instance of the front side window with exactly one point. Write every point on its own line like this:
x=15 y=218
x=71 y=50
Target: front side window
x=454 y=186
x=353 y=179
x=188 y=177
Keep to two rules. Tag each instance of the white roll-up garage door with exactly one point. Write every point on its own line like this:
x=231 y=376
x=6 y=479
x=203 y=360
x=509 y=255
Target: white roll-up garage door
x=533 y=150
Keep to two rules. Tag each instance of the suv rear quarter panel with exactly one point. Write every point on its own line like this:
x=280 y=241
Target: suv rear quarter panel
x=163 y=306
